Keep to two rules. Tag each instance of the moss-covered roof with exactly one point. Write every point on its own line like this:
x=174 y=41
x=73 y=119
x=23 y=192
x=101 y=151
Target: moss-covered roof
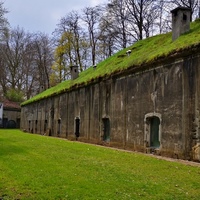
x=142 y=53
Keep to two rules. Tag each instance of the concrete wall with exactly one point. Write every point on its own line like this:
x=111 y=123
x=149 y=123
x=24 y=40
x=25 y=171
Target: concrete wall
x=11 y=118
x=120 y=111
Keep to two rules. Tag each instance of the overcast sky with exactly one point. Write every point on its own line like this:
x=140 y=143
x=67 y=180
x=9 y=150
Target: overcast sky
x=42 y=15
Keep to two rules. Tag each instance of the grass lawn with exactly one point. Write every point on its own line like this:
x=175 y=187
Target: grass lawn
x=38 y=167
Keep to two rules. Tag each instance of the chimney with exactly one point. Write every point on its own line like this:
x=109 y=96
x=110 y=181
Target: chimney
x=41 y=89
x=74 y=72
x=180 y=21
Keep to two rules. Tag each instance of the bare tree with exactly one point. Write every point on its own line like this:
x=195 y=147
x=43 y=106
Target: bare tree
x=43 y=59
x=12 y=55
x=3 y=21
x=72 y=25
x=107 y=39
x=3 y=76
x=30 y=72
x=25 y=62
x=91 y=17
x=117 y=18
x=142 y=16
x=71 y=47
x=163 y=21
x=3 y=30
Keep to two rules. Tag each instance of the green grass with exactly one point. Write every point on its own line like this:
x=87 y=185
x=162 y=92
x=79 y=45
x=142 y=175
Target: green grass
x=39 y=167
x=143 y=52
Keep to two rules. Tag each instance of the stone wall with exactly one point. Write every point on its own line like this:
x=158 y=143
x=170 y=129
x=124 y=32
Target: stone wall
x=154 y=110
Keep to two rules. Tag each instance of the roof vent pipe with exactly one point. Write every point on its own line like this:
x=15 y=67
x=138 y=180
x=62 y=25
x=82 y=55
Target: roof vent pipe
x=180 y=21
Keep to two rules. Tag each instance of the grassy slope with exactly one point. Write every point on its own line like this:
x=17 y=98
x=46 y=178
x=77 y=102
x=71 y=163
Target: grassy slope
x=39 y=167
x=144 y=51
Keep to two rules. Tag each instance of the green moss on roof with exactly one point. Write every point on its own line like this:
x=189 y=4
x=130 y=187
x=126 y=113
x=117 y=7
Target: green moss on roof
x=143 y=52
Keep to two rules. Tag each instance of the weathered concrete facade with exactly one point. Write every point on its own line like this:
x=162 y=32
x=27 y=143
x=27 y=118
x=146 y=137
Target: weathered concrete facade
x=154 y=108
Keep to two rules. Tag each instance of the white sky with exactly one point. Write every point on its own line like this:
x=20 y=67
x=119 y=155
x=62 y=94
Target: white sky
x=42 y=15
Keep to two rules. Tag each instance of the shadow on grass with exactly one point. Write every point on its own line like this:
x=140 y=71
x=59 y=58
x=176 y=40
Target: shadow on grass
x=7 y=148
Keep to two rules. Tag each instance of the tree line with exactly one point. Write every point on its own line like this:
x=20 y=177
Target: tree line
x=32 y=62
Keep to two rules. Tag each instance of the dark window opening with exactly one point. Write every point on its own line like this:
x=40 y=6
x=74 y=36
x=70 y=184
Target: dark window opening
x=154 y=132
x=45 y=125
x=184 y=17
x=29 y=125
x=106 y=129
x=77 y=127
x=36 y=121
x=59 y=126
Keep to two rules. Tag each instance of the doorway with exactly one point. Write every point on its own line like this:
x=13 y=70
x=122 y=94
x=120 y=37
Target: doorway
x=154 y=132
x=106 y=129
x=77 y=127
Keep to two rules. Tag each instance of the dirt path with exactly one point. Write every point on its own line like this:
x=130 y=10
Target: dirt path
x=185 y=162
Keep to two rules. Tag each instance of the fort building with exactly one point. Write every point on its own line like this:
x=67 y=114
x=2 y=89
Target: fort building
x=148 y=100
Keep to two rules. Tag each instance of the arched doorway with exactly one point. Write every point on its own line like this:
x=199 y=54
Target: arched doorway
x=11 y=124
x=152 y=131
